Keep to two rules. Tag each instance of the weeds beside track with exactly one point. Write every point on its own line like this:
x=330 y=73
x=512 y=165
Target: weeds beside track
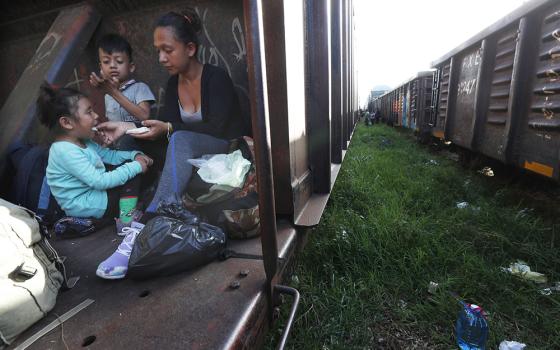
x=392 y=226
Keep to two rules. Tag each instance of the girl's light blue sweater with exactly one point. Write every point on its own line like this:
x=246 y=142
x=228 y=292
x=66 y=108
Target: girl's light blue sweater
x=78 y=178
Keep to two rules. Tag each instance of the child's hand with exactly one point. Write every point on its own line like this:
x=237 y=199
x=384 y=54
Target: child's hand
x=142 y=157
x=106 y=84
x=144 y=161
x=95 y=80
x=143 y=164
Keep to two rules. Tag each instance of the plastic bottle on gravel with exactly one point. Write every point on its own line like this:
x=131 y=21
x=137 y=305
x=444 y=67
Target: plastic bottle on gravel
x=471 y=328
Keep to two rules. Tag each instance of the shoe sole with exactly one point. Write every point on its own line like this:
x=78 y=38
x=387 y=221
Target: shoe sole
x=101 y=274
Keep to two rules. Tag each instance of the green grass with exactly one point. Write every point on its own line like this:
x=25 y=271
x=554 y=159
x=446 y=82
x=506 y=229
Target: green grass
x=392 y=226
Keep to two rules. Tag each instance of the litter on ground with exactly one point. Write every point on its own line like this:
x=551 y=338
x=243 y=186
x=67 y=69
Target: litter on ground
x=433 y=287
x=550 y=290
x=521 y=269
x=486 y=171
x=511 y=345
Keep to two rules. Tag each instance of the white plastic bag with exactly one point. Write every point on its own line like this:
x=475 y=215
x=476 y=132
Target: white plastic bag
x=511 y=345
x=200 y=162
x=222 y=169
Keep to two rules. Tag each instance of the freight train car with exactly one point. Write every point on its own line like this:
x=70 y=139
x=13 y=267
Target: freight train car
x=292 y=66
x=408 y=105
x=499 y=92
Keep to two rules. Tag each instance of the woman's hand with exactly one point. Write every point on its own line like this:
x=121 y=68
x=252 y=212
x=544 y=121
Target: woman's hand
x=100 y=138
x=157 y=130
x=114 y=130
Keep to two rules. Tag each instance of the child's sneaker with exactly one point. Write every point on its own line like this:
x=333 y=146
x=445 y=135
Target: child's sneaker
x=136 y=215
x=116 y=266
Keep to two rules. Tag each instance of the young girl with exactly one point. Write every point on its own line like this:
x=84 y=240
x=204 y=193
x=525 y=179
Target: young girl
x=76 y=171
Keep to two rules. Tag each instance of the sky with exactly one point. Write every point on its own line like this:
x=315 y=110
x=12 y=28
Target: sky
x=395 y=39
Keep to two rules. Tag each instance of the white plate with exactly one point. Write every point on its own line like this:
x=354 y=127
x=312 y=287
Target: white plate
x=137 y=131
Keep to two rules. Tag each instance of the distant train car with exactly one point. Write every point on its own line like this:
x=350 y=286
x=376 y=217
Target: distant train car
x=409 y=104
x=499 y=92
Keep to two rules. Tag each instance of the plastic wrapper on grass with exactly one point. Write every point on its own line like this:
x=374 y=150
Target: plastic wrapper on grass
x=521 y=269
x=511 y=345
x=551 y=289
x=168 y=245
x=433 y=287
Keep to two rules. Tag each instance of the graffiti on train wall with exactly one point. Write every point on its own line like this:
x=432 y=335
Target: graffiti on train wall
x=212 y=54
x=45 y=49
x=466 y=88
x=239 y=37
x=75 y=83
x=469 y=72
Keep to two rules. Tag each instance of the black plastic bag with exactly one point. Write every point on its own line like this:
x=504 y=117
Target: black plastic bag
x=167 y=245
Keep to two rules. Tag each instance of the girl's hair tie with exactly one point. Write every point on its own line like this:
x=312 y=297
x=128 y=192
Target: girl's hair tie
x=188 y=19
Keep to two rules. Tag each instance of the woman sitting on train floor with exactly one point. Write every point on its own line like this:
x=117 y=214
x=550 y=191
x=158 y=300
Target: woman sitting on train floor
x=201 y=111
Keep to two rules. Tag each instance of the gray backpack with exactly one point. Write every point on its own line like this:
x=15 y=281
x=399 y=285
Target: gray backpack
x=29 y=277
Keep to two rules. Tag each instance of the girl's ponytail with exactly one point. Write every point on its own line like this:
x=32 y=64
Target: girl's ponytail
x=45 y=103
x=54 y=103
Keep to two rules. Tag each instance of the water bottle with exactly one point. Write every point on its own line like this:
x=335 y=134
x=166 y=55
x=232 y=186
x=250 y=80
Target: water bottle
x=471 y=328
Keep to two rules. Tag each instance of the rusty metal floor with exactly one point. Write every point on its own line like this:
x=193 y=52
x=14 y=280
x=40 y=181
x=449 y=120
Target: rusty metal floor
x=190 y=310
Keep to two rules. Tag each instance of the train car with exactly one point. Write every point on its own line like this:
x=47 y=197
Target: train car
x=293 y=67
x=499 y=94
x=420 y=88
x=409 y=104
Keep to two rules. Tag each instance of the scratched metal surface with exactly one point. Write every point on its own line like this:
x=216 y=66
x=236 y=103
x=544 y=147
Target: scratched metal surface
x=493 y=132
x=53 y=61
x=190 y=310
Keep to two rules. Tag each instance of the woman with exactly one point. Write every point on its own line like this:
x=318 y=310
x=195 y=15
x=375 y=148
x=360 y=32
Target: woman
x=201 y=111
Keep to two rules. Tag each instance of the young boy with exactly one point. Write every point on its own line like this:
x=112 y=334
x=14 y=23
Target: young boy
x=126 y=99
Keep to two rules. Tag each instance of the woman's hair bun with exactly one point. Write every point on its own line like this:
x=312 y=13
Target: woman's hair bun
x=192 y=17
x=185 y=24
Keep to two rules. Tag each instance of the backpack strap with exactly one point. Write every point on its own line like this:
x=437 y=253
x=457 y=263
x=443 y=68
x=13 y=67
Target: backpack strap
x=44 y=196
x=47 y=206
x=67 y=283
